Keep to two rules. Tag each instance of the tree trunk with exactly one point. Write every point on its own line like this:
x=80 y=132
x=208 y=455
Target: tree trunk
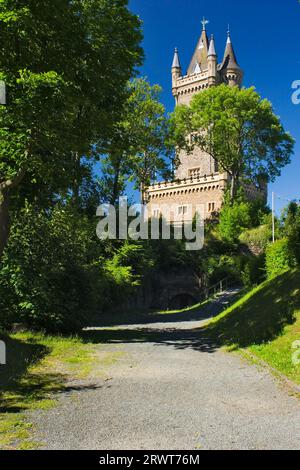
x=4 y=220
x=116 y=187
x=76 y=181
x=143 y=193
x=233 y=188
x=5 y=188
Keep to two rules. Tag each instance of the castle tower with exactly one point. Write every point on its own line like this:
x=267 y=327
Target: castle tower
x=197 y=178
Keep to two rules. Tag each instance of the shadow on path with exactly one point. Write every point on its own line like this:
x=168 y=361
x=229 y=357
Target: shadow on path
x=179 y=339
x=201 y=312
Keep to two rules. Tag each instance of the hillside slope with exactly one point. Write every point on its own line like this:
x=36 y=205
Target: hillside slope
x=267 y=322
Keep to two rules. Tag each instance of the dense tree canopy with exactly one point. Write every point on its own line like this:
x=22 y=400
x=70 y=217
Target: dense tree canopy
x=65 y=64
x=139 y=149
x=238 y=129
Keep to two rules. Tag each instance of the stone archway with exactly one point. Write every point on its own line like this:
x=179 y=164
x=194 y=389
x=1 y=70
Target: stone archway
x=182 y=301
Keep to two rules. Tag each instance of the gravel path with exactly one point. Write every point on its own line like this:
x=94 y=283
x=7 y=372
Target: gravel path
x=171 y=390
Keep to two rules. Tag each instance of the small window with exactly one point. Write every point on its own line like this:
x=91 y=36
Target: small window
x=182 y=210
x=211 y=207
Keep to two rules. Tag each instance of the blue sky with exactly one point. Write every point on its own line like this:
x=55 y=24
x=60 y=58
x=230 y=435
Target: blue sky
x=266 y=38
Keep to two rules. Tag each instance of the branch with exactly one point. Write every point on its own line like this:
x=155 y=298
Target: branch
x=12 y=183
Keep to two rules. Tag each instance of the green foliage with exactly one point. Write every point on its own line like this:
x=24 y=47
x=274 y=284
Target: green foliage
x=62 y=88
x=219 y=267
x=257 y=239
x=253 y=270
x=139 y=141
x=291 y=228
x=239 y=130
x=47 y=276
x=126 y=270
x=279 y=258
x=66 y=80
x=56 y=275
x=234 y=219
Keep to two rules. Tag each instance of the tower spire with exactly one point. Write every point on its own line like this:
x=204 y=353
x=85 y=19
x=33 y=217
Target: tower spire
x=176 y=61
x=212 y=48
x=176 y=71
x=230 y=60
x=230 y=68
x=199 y=59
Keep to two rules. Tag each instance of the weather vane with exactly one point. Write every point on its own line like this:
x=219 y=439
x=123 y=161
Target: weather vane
x=204 y=23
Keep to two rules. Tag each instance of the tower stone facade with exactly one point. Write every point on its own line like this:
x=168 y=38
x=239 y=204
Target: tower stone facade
x=197 y=178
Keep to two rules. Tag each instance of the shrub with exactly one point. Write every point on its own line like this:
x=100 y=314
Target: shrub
x=279 y=258
x=234 y=219
x=46 y=274
x=291 y=228
x=257 y=239
x=253 y=272
x=55 y=275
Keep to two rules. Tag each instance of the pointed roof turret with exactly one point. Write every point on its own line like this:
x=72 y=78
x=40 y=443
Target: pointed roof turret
x=230 y=60
x=199 y=59
x=176 y=61
x=212 y=48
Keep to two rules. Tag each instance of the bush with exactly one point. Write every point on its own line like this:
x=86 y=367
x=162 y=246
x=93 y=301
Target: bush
x=279 y=258
x=253 y=272
x=257 y=239
x=222 y=267
x=234 y=219
x=291 y=228
x=46 y=275
x=55 y=275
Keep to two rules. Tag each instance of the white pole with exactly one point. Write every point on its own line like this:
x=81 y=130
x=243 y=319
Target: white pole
x=273 y=217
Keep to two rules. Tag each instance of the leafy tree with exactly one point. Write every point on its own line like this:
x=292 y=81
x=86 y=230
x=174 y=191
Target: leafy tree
x=65 y=64
x=139 y=141
x=238 y=129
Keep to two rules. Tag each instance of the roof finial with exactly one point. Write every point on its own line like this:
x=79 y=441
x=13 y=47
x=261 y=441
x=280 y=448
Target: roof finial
x=228 y=35
x=204 y=23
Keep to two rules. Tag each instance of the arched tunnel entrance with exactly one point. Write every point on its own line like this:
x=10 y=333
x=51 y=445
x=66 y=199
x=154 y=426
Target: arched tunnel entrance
x=181 y=301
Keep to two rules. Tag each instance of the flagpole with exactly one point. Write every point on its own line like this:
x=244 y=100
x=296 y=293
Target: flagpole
x=273 y=216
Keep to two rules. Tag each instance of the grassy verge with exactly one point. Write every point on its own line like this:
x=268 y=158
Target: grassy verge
x=265 y=322
x=37 y=367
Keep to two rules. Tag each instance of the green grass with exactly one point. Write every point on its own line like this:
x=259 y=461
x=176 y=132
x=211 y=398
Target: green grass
x=37 y=367
x=265 y=322
x=187 y=309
